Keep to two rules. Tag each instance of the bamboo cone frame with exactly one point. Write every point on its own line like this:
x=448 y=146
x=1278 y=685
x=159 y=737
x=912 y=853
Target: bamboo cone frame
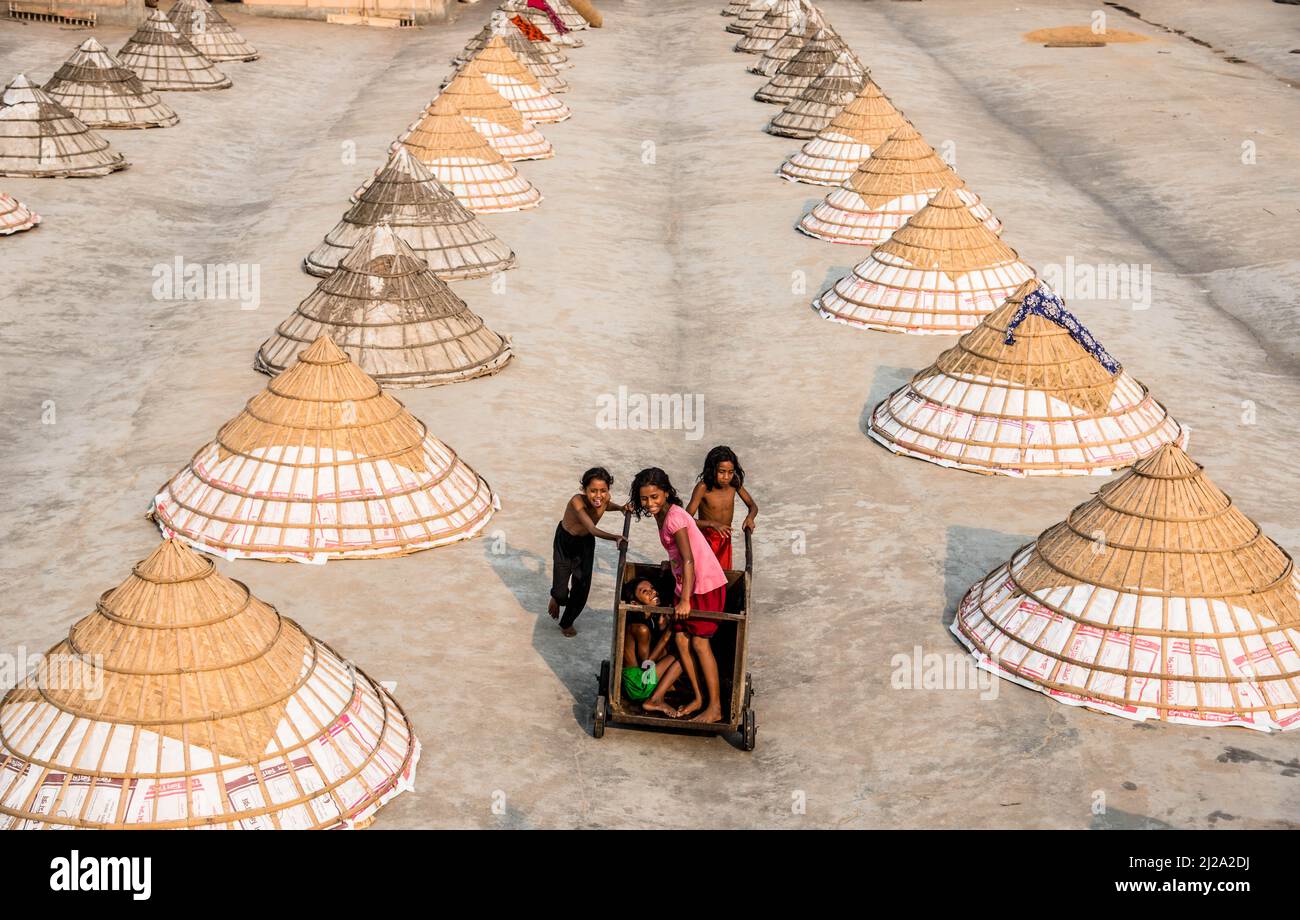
x=846 y=143
x=104 y=93
x=735 y=7
x=198 y=706
x=425 y=214
x=573 y=19
x=1155 y=599
x=504 y=73
x=783 y=50
x=750 y=16
x=39 y=138
x=1041 y=406
x=16 y=217
x=464 y=162
x=165 y=60
x=775 y=23
x=524 y=51
x=545 y=49
x=393 y=317
x=491 y=115
x=824 y=99
x=895 y=182
x=817 y=55
x=323 y=465
x=939 y=274
x=542 y=22
x=210 y=32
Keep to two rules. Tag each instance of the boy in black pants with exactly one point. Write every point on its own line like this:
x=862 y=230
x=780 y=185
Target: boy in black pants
x=575 y=546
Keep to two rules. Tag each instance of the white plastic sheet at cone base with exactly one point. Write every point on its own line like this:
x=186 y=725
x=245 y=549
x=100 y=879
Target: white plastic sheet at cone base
x=536 y=106
x=885 y=293
x=482 y=187
x=511 y=144
x=1022 y=445
x=995 y=610
x=828 y=160
x=845 y=216
x=357 y=763
x=190 y=507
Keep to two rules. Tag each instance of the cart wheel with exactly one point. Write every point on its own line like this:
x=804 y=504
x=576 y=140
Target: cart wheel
x=602 y=687
x=749 y=690
x=750 y=730
x=598 y=717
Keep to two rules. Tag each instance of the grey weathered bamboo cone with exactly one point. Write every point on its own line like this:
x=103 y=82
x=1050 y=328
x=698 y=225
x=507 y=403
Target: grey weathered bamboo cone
x=39 y=138
x=104 y=93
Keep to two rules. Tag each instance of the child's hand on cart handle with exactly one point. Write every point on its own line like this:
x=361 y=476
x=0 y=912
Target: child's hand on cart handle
x=682 y=609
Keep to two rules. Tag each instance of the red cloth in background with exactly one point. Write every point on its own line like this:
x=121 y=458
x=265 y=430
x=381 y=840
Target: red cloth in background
x=550 y=14
x=531 y=32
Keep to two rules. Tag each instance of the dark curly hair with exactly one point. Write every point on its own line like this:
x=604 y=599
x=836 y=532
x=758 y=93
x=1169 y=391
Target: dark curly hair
x=721 y=454
x=652 y=476
x=597 y=472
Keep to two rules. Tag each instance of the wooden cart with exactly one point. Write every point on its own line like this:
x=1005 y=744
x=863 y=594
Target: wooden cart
x=729 y=648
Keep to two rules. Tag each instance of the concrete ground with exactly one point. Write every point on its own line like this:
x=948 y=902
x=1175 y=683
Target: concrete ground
x=664 y=260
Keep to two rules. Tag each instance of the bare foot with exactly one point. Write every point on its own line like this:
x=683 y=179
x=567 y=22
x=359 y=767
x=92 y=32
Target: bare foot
x=553 y=608
x=569 y=631
x=684 y=711
x=712 y=714
x=661 y=707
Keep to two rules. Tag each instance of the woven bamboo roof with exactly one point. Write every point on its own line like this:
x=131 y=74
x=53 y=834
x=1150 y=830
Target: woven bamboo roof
x=184 y=701
x=427 y=217
x=784 y=49
x=824 y=98
x=104 y=93
x=464 y=162
x=1155 y=599
x=775 y=22
x=492 y=115
x=321 y=465
x=508 y=76
x=40 y=138
x=393 y=316
x=1021 y=395
x=818 y=54
x=15 y=216
x=210 y=32
x=750 y=16
x=165 y=60
x=841 y=147
x=940 y=273
x=889 y=187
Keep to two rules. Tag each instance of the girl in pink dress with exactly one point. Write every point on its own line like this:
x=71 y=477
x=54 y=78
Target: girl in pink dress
x=700 y=585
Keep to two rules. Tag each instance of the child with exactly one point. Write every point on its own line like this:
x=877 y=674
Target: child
x=574 y=548
x=700 y=584
x=714 y=501
x=646 y=668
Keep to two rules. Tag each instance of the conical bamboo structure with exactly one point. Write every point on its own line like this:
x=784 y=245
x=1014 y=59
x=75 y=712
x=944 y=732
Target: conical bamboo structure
x=750 y=16
x=39 y=138
x=104 y=93
x=210 y=32
x=775 y=22
x=817 y=55
x=165 y=60
x=841 y=147
x=1027 y=392
x=491 y=115
x=523 y=49
x=735 y=7
x=545 y=19
x=322 y=465
x=894 y=183
x=785 y=49
x=15 y=217
x=543 y=47
x=464 y=162
x=571 y=18
x=425 y=214
x=183 y=701
x=391 y=315
x=1155 y=599
x=825 y=98
x=508 y=76
x=939 y=274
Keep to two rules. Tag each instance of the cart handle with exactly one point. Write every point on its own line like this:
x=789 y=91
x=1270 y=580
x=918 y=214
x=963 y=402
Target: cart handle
x=718 y=616
x=622 y=561
x=749 y=552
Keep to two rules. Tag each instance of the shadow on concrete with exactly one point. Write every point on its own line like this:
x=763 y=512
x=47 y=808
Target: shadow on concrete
x=887 y=380
x=1115 y=820
x=972 y=553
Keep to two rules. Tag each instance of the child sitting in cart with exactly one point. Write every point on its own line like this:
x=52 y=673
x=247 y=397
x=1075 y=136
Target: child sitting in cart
x=646 y=667
x=713 y=502
x=700 y=585
x=574 y=546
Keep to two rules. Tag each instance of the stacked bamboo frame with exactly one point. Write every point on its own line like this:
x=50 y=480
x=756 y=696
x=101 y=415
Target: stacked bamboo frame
x=572 y=19
x=735 y=7
x=491 y=115
x=1155 y=599
x=544 y=19
x=39 y=138
x=786 y=48
x=184 y=701
x=824 y=99
x=523 y=50
x=104 y=93
x=1020 y=395
x=841 y=147
x=15 y=217
x=464 y=162
x=425 y=214
x=393 y=317
x=893 y=183
x=750 y=16
x=817 y=55
x=321 y=465
x=165 y=60
x=775 y=23
x=508 y=76
x=210 y=32
x=543 y=47
x=939 y=274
